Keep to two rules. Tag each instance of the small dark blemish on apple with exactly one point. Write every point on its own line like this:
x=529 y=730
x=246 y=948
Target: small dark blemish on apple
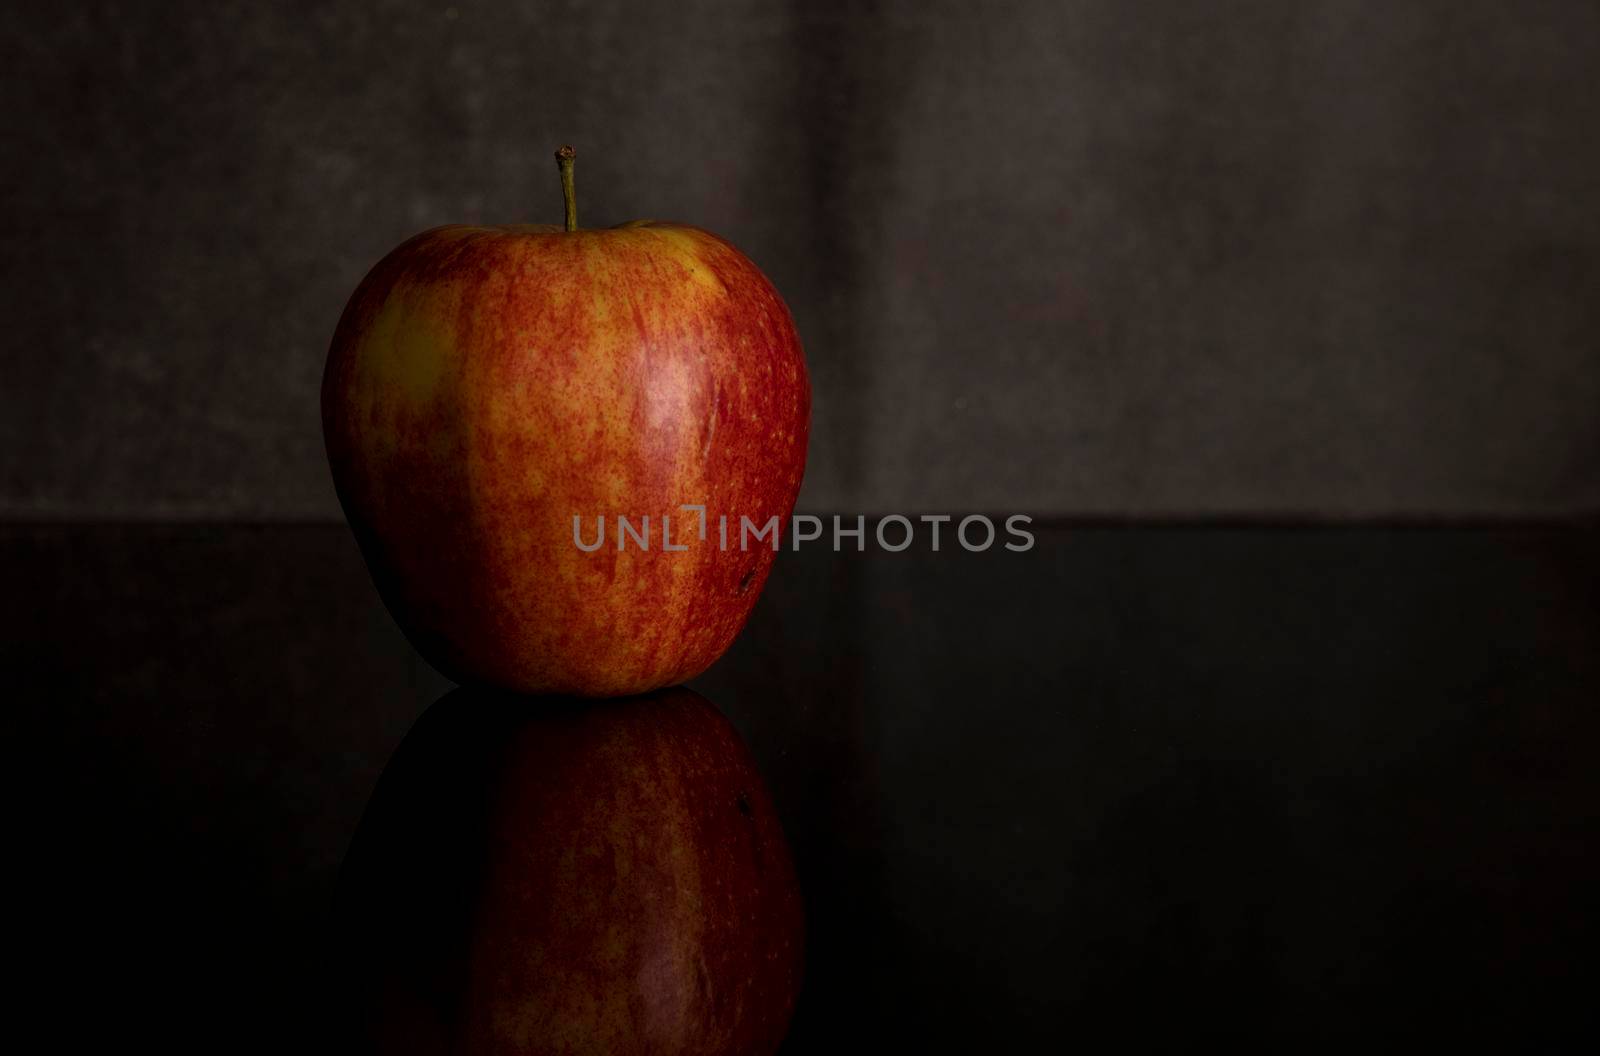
x=743 y=802
x=746 y=579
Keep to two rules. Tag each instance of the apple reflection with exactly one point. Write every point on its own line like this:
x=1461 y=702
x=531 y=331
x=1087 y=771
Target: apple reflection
x=546 y=875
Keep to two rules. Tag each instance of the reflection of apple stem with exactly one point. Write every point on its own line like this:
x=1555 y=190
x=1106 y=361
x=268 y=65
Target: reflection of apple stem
x=564 y=158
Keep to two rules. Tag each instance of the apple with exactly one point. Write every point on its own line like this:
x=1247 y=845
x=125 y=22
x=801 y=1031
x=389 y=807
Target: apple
x=575 y=877
x=486 y=386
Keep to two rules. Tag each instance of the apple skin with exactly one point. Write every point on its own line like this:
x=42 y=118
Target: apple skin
x=487 y=384
x=572 y=877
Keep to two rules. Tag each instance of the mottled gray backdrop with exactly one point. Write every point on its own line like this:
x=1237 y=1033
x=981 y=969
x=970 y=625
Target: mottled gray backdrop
x=1091 y=257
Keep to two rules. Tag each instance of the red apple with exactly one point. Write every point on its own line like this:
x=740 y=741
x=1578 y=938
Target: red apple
x=588 y=877
x=487 y=385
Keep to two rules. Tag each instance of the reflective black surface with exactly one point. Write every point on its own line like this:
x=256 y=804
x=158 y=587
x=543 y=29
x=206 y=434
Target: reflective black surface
x=1292 y=787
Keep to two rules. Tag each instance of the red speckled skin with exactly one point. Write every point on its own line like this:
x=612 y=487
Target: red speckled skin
x=486 y=384
x=578 y=877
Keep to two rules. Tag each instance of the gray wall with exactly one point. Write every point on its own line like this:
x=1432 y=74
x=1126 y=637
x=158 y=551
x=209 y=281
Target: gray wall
x=1098 y=257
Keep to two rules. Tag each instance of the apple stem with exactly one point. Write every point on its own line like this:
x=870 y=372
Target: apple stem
x=564 y=158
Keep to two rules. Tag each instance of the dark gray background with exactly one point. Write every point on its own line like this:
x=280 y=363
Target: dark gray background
x=1093 y=257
